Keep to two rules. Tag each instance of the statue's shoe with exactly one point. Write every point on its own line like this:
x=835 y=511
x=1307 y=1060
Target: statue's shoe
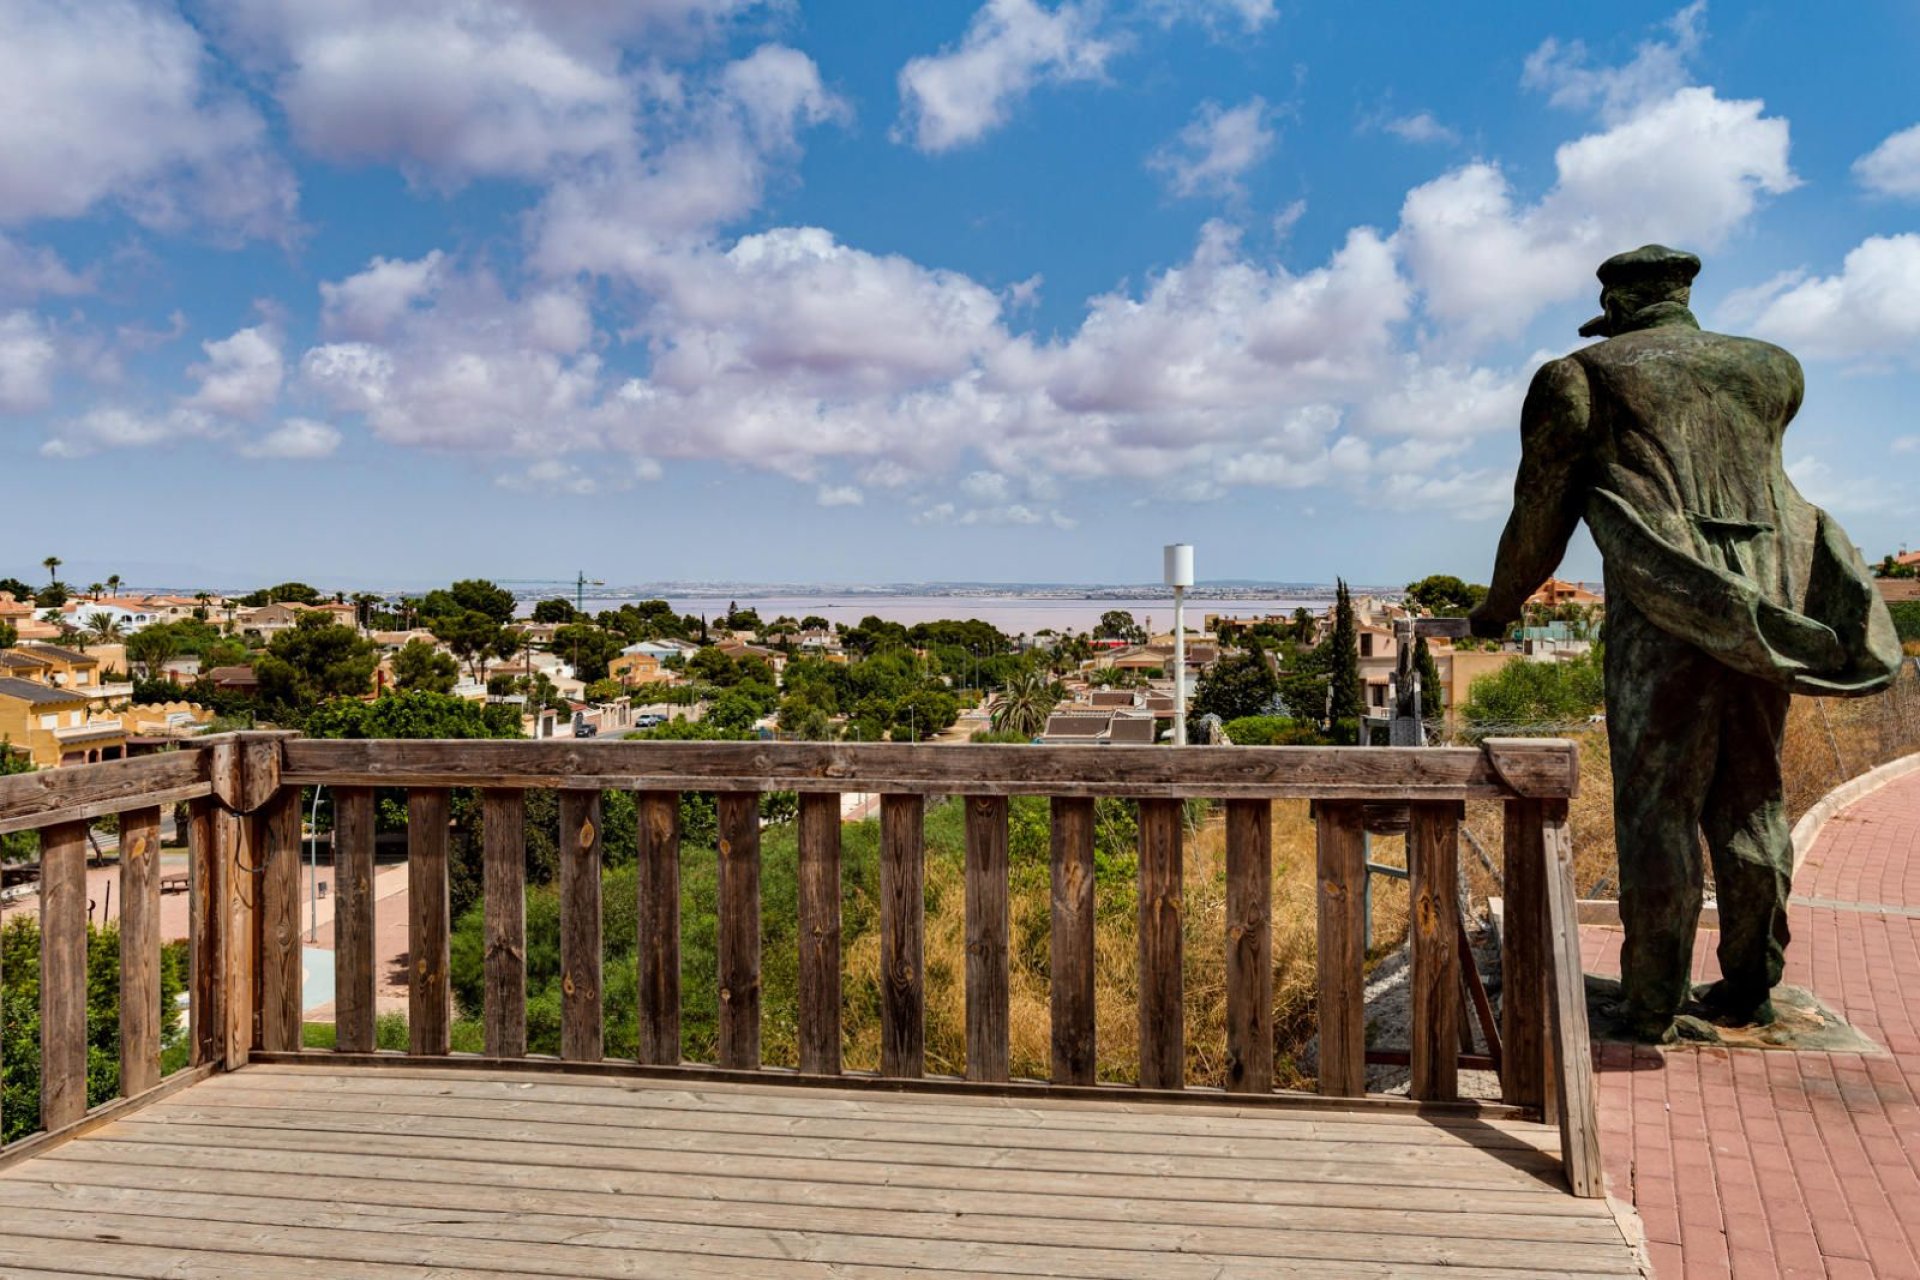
x=1724 y=1006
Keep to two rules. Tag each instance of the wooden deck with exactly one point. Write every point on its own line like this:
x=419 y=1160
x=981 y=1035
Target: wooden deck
x=424 y=1171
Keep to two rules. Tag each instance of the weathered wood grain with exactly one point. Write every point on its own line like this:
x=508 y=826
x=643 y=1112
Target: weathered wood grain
x=819 y=1030
x=1249 y=946
x=1071 y=942
x=987 y=925
x=1433 y=858
x=235 y=839
x=659 y=854
x=353 y=919
x=429 y=996
x=63 y=974
x=1341 y=861
x=206 y=977
x=1523 y=958
x=1567 y=997
x=1536 y=768
x=32 y=800
x=277 y=836
x=903 y=999
x=902 y=768
x=1163 y=1045
x=503 y=817
x=738 y=929
x=140 y=1010
x=582 y=1033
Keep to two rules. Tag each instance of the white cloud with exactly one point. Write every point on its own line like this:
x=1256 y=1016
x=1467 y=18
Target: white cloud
x=1209 y=155
x=296 y=439
x=959 y=95
x=31 y=271
x=844 y=495
x=28 y=359
x=1421 y=127
x=1907 y=444
x=557 y=477
x=1658 y=69
x=115 y=101
x=116 y=428
x=1247 y=15
x=1893 y=167
x=1869 y=311
x=242 y=373
x=367 y=304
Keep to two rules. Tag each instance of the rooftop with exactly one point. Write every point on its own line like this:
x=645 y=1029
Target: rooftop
x=39 y=694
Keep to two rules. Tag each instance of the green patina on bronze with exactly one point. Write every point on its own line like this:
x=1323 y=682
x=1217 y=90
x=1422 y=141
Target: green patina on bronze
x=1727 y=593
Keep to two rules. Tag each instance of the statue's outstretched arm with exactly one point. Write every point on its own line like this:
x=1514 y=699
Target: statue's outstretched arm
x=1548 y=494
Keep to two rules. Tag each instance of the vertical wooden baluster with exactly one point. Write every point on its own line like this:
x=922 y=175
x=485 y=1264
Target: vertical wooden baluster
x=1163 y=1055
x=234 y=838
x=1572 y=1054
x=63 y=974
x=353 y=928
x=581 y=1020
x=1523 y=960
x=277 y=852
x=1342 y=868
x=429 y=1008
x=1250 y=946
x=504 y=870
x=140 y=1010
x=1433 y=861
x=903 y=1001
x=1071 y=945
x=986 y=938
x=820 y=933
x=659 y=928
x=206 y=1005
x=739 y=930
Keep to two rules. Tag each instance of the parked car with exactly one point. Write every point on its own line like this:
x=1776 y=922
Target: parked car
x=585 y=730
x=649 y=720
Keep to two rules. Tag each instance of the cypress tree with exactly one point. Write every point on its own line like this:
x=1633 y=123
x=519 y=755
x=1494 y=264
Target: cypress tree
x=1432 y=697
x=1348 y=702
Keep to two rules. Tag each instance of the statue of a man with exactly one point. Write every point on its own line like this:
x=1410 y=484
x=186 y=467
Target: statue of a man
x=1726 y=593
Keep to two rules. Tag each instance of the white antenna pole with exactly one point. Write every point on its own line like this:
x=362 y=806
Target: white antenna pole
x=1178 y=564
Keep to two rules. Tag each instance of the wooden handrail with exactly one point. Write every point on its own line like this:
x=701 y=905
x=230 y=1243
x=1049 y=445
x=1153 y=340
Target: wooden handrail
x=245 y=832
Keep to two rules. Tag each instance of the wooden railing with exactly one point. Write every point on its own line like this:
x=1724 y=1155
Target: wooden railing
x=244 y=795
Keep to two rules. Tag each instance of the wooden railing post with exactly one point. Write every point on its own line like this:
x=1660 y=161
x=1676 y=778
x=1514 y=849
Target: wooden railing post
x=429 y=1001
x=1567 y=996
x=903 y=888
x=353 y=919
x=659 y=893
x=277 y=828
x=1433 y=861
x=820 y=933
x=1071 y=953
x=1342 y=870
x=986 y=912
x=63 y=974
x=206 y=894
x=503 y=854
x=1249 y=946
x=582 y=1035
x=140 y=1011
x=1163 y=1051
x=1523 y=959
x=738 y=942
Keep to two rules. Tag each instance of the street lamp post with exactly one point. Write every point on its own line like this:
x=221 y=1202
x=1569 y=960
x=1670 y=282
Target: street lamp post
x=1178 y=563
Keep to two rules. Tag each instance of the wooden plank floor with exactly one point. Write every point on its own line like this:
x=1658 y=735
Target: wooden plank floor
x=413 y=1172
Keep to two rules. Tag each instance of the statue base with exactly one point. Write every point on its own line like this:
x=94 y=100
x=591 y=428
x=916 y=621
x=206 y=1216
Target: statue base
x=1801 y=1023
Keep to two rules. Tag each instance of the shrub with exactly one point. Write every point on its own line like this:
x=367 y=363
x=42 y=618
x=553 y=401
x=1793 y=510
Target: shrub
x=1272 y=731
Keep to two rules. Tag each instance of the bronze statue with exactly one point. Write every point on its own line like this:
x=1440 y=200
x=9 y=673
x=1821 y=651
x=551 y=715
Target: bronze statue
x=1726 y=593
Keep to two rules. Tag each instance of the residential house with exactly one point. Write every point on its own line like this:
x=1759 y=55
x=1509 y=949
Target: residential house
x=235 y=679
x=70 y=669
x=129 y=614
x=740 y=649
x=1102 y=728
x=1898 y=590
x=269 y=620
x=53 y=726
x=1555 y=592
x=632 y=669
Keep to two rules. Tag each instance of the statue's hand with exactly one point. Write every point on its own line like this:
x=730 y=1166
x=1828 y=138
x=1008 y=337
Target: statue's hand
x=1487 y=627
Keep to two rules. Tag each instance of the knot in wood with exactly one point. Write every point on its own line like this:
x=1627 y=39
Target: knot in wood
x=586 y=834
x=566 y=983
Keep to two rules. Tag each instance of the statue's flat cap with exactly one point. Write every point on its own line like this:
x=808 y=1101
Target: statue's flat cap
x=1648 y=263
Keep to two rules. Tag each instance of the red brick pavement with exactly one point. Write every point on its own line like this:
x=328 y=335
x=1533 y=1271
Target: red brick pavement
x=1755 y=1163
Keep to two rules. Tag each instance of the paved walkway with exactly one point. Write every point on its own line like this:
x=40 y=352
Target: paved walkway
x=1755 y=1163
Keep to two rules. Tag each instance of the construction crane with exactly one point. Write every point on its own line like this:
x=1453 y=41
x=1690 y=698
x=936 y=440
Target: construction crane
x=579 y=582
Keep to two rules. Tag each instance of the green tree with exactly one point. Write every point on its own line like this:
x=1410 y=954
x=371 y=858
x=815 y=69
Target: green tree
x=52 y=565
x=20 y=846
x=475 y=638
x=283 y=593
x=9 y=635
x=1906 y=619
x=420 y=666
x=554 y=610
x=19 y=590
x=51 y=596
x=1526 y=693
x=589 y=648
x=1272 y=731
x=1348 y=702
x=1024 y=705
x=469 y=595
x=1240 y=685
x=605 y=690
x=312 y=661
x=1118 y=624
x=1432 y=695
x=153 y=647
x=103 y=628
x=1445 y=595
x=416 y=714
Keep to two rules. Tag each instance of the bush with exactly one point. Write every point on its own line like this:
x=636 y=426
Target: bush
x=1273 y=731
x=1538 y=692
x=1906 y=618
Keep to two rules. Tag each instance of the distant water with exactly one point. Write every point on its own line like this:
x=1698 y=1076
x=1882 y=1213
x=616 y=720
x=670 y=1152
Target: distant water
x=1014 y=615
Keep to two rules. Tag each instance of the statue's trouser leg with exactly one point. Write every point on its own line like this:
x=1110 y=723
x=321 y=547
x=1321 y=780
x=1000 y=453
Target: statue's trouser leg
x=1752 y=847
x=1663 y=730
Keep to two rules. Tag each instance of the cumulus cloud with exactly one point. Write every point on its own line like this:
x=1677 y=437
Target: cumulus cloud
x=295 y=440
x=119 y=428
x=1867 y=312
x=1420 y=127
x=368 y=303
x=1677 y=164
x=962 y=93
x=1216 y=15
x=839 y=495
x=117 y=102
x=241 y=375
x=32 y=271
x=28 y=359
x=1209 y=155
x=554 y=476
x=1893 y=167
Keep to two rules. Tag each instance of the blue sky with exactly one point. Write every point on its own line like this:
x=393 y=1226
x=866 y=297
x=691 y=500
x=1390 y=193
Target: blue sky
x=385 y=293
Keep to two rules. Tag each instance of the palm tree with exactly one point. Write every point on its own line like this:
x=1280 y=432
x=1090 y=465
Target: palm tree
x=1025 y=704
x=96 y=590
x=103 y=628
x=113 y=584
x=52 y=565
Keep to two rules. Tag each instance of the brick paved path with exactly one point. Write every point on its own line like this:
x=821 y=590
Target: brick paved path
x=1756 y=1163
